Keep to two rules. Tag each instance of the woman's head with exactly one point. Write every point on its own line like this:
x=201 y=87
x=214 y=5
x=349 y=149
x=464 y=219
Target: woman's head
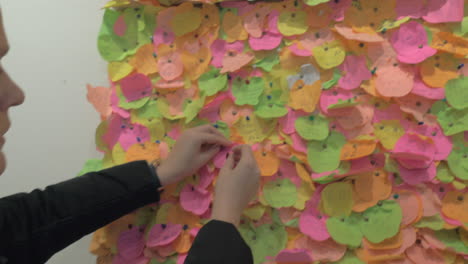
x=10 y=94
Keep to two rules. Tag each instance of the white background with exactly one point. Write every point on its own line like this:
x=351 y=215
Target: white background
x=53 y=56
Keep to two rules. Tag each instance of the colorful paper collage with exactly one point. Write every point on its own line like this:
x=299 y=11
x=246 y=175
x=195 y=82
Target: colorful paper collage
x=357 y=112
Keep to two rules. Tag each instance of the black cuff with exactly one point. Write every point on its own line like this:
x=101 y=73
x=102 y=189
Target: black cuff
x=219 y=242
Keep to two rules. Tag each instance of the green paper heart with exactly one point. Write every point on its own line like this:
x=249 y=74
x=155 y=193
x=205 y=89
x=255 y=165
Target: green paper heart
x=333 y=81
x=192 y=107
x=280 y=193
x=438 y=107
x=337 y=199
x=211 y=82
x=149 y=19
x=266 y=240
x=271 y=106
x=344 y=103
x=444 y=174
x=223 y=128
x=137 y=104
x=91 y=165
x=391 y=24
x=462 y=28
x=435 y=222
x=313 y=127
x=268 y=62
x=144 y=216
x=315 y=2
x=101 y=130
x=456 y=92
x=344 y=230
x=458 y=161
x=453 y=121
x=247 y=91
x=324 y=155
x=149 y=110
x=381 y=221
x=190 y=19
x=452 y=240
x=115 y=48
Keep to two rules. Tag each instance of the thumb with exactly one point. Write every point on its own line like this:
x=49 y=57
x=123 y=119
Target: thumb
x=208 y=154
x=229 y=163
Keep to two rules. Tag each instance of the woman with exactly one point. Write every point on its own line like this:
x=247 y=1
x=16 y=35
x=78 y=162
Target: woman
x=34 y=226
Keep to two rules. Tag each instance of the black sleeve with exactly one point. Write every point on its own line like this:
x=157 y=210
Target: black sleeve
x=219 y=243
x=36 y=225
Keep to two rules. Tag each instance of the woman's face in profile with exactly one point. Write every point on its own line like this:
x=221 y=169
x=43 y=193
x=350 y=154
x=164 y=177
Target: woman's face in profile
x=10 y=94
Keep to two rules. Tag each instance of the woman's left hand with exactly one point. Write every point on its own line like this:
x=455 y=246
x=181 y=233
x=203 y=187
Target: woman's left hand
x=194 y=148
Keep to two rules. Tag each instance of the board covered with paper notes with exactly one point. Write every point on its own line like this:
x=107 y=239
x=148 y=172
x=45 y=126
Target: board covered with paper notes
x=357 y=112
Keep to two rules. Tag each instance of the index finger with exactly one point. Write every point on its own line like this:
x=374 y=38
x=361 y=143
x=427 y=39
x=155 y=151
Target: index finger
x=207 y=138
x=209 y=129
x=246 y=153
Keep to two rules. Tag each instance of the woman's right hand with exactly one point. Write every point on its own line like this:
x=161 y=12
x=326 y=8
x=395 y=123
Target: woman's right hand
x=237 y=184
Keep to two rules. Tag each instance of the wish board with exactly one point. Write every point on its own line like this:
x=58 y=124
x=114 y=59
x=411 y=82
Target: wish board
x=357 y=112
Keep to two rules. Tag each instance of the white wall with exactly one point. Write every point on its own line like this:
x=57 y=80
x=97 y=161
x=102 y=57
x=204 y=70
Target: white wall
x=53 y=56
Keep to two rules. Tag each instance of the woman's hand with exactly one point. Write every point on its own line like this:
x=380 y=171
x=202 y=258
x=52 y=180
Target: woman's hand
x=194 y=148
x=237 y=184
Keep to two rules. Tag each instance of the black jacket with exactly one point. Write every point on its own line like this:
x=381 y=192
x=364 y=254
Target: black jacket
x=34 y=226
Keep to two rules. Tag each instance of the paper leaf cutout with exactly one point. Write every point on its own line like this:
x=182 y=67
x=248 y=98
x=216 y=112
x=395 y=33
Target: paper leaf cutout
x=381 y=222
x=457 y=93
x=266 y=240
x=292 y=23
x=312 y=127
x=271 y=105
x=344 y=231
x=91 y=165
x=186 y=13
x=337 y=199
x=457 y=162
x=248 y=91
x=325 y=155
x=329 y=55
x=280 y=193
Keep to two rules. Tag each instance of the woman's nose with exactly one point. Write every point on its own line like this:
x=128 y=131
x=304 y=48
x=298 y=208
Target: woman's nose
x=15 y=96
